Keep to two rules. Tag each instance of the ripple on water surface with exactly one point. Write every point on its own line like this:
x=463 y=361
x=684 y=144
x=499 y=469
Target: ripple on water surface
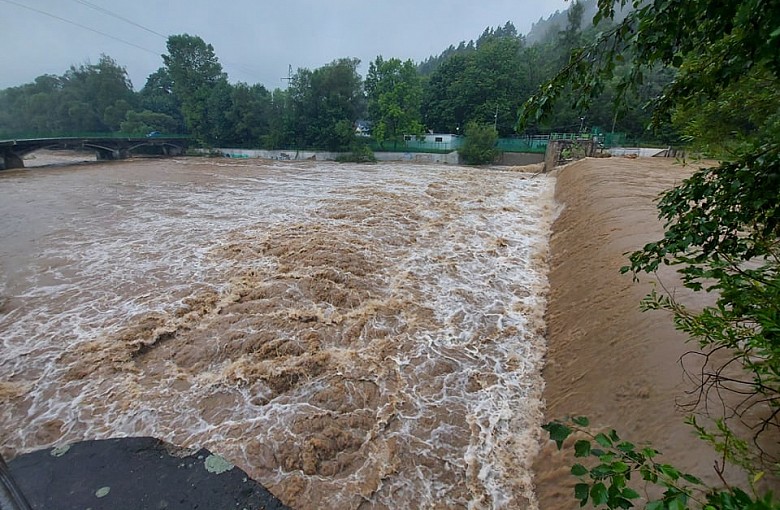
x=352 y=336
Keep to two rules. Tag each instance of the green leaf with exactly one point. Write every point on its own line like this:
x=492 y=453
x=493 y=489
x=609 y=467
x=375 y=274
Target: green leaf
x=669 y=471
x=648 y=474
x=655 y=505
x=582 y=448
x=630 y=493
x=581 y=493
x=620 y=467
x=692 y=479
x=558 y=432
x=603 y=440
x=582 y=421
x=579 y=470
x=649 y=452
x=598 y=494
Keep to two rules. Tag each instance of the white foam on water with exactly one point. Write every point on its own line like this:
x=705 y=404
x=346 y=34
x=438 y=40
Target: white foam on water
x=410 y=377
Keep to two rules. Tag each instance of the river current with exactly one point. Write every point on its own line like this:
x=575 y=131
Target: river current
x=353 y=336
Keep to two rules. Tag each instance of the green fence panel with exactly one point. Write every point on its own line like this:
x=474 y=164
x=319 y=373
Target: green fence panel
x=534 y=144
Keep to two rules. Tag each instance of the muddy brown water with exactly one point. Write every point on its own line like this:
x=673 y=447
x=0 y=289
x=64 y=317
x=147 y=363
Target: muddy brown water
x=351 y=336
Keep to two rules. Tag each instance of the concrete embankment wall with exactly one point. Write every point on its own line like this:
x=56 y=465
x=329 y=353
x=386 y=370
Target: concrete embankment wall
x=520 y=159
x=452 y=158
x=283 y=155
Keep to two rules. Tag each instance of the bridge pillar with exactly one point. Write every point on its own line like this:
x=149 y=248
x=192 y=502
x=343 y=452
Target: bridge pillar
x=172 y=150
x=11 y=160
x=112 y=154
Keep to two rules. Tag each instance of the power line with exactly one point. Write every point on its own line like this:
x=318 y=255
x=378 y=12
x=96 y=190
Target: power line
x=117 y=16
x=248 y=71
x=79 y=25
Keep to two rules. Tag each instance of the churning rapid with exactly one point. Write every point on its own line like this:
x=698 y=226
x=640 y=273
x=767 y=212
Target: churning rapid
x=351 y=336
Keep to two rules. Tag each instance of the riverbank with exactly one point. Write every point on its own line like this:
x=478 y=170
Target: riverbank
x=606 y=359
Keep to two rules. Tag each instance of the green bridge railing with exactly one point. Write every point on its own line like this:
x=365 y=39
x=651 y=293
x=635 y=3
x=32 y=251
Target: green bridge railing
x=89 y=134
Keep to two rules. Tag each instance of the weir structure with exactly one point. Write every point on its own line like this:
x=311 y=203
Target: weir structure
x=107 y=146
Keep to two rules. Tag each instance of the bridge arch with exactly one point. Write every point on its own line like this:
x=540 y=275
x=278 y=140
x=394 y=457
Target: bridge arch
x=108 y=147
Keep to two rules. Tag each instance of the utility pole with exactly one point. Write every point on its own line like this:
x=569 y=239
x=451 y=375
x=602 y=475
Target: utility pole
x=495 y=119
x=289 y=75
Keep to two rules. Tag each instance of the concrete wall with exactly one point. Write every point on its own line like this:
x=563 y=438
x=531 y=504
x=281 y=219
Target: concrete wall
x=291 y=155
x=520 y=158
x=283 y=155
x=452 y=158
x=642 y=152
x=578 y=149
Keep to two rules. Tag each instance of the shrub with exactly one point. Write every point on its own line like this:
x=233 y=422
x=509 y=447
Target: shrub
x=480 y=145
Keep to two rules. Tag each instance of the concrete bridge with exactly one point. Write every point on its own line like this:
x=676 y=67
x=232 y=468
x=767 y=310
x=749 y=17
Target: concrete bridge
x=106 y=146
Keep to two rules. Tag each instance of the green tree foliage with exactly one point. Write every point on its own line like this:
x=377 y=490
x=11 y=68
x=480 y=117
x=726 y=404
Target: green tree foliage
x=199 y=84
x=96 y=97
x=249 y=115
x=157 y=96
x=146 y=121
x=431 y=64
x=723 y=223
x=614 y=465
x=280 y=122
x=325 y=104
x=485 y=85
x=479 y=147
x=394 y=93
x=719 y=125
x=442 y=109
x=606 y=111
x=91 y=97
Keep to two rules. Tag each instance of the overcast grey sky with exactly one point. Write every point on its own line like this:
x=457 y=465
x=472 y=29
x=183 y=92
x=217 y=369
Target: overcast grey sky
x=255 y=40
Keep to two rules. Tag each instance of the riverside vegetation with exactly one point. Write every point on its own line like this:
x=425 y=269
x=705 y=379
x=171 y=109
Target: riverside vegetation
x=722 y=234
x=483 y=81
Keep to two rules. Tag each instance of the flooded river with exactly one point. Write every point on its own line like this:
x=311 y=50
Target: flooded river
x=351 y=336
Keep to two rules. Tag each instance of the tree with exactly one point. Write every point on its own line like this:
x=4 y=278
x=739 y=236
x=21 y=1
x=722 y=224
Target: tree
x=157 y=96
x=144 y=122
x=324 y=101
x=280 y=122
x=249 y=114
x=723 y=223
x=443 y=110
x=194 y=71
x=90 y=97
x=485 y=85
x=30 y=108
x=394 y=94
x=739 y=112
x=95 y=97
x=220 y=128
x=480 y=145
